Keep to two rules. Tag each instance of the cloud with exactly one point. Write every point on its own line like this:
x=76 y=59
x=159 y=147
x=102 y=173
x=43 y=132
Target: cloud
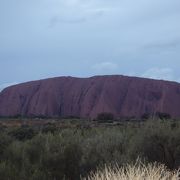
x=178 y=80
x=77 y=11
x=73 y=20
x=70 y=2
x=105 y=66
x=171 y=44
x=5 y=85
x=160 y=73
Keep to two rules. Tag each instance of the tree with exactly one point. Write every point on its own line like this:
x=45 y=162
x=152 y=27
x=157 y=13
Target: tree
x=105 y=116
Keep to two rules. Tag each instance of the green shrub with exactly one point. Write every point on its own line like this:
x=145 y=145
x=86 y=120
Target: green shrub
x=105 y=117
x=49 y=128
x=22 y=133
x=161 y=115
x=157 y=142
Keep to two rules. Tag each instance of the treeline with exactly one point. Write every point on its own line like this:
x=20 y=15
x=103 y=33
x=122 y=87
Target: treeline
x=104 y=116
x=54 y=153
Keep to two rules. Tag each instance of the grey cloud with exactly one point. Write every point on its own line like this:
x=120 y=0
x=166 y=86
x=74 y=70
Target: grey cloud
x=164 y=73
x=53 y=21
x=74 y=19
x=77 y=11
x=159 y=73
x=56 y=20
x=164 y=45
x=105 y=66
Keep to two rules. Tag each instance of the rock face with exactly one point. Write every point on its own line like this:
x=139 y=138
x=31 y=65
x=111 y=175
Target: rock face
x=87 y=97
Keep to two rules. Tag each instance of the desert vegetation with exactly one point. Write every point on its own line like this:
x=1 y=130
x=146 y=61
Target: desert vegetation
x=81 y=149
x=138 y=171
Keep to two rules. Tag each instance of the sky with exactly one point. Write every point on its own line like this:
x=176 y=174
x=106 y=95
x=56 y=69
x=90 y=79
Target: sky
x=48 y=38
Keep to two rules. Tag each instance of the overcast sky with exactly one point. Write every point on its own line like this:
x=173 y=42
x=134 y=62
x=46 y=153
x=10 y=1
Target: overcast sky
x=47 y=38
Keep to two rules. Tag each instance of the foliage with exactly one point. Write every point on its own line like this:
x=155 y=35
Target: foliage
x=138 y=171
x=22 y=133
x=71 y=151
x=161 y=115
x=105 y=117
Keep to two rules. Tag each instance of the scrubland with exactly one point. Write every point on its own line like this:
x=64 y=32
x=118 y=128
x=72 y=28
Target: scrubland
x=81 y=149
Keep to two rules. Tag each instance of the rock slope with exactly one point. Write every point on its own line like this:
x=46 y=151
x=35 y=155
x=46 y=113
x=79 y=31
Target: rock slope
x=87 y=97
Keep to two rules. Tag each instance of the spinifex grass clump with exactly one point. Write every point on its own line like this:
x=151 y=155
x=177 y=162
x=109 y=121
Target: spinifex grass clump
x=135 y=172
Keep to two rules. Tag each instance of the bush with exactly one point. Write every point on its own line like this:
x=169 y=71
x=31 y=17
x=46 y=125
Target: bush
x=5 y=141
x=49 y=128
x=22 y=133
x=105 y=117
x=161 y=115
x=106 y=147
x=157 y=142
x=146 y=116
x=138 y=171
x=62 y=161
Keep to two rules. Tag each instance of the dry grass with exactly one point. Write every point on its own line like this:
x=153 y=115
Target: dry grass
x=136 y=172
